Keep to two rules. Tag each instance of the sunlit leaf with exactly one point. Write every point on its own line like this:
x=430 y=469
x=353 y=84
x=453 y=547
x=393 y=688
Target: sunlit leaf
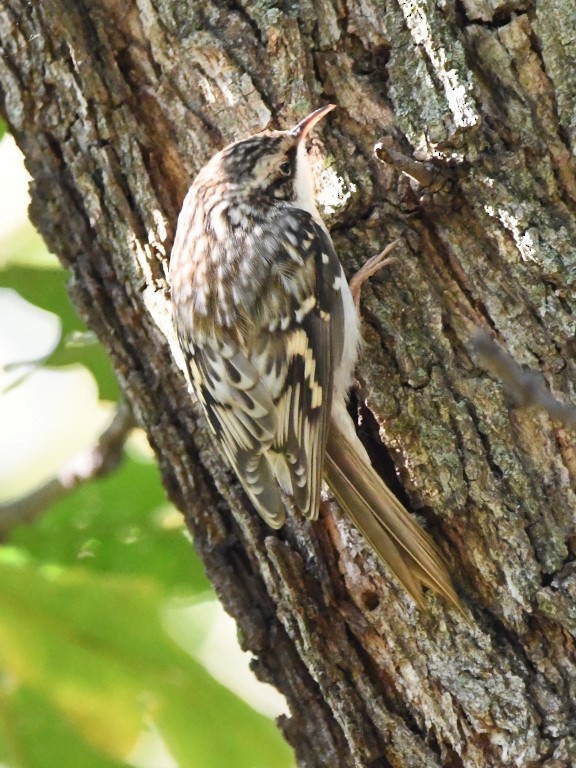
x=118 y=524
x=34 y=734
x=46 y=288
x=24 y=247
x=93 y=646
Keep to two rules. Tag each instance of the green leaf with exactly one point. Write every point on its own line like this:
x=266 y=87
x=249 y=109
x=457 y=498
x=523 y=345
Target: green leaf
x=94 y=648
x=2 y=128
x=34 y=734
x=121 y=524
x=23 y=246
x=46 y=288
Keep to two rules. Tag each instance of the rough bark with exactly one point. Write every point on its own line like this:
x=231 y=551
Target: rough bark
x=117 y=105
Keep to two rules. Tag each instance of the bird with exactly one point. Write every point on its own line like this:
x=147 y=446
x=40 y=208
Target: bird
x=271 y=335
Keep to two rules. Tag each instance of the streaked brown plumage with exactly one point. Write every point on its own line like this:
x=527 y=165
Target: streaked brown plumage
x=270 y=335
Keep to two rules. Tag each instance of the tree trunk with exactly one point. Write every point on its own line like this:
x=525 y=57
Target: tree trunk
x=116 y=106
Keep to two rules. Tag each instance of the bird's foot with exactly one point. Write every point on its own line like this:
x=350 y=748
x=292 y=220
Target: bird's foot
x=373 y=265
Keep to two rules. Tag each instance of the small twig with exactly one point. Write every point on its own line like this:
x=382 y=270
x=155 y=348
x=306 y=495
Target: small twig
x=528 y=387
x=28 y=367
x=432 y=181
x=97 y=461
x=425 y=174
x=74 y=340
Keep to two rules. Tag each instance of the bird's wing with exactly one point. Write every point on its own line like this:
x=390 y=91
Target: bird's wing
x=268 y=398
x=303 y=355
x=242 y=415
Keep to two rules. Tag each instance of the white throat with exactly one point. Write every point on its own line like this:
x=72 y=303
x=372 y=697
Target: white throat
x=304 y=185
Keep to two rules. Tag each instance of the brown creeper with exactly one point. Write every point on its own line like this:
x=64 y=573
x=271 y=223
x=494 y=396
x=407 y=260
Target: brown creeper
x=270 y=335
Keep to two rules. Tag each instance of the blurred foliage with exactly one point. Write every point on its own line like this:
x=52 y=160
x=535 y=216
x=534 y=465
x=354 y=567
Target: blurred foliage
x=86 y=666
x=90 y=651
x=28 y=268
x=32 y=728
x=120 y=524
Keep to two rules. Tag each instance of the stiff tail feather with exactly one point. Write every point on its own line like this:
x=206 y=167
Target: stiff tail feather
x=395 y=536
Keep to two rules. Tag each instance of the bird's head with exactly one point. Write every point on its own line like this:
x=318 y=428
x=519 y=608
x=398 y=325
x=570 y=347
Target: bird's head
x=271 y=164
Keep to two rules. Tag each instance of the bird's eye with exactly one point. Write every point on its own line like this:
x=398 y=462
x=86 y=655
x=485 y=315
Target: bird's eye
x=285 y=169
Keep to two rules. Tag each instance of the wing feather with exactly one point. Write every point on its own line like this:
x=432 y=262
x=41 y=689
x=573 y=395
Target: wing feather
x=267 y=386
x=307 y=351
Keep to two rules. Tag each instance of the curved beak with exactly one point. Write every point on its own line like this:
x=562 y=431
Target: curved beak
x=305 y=126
